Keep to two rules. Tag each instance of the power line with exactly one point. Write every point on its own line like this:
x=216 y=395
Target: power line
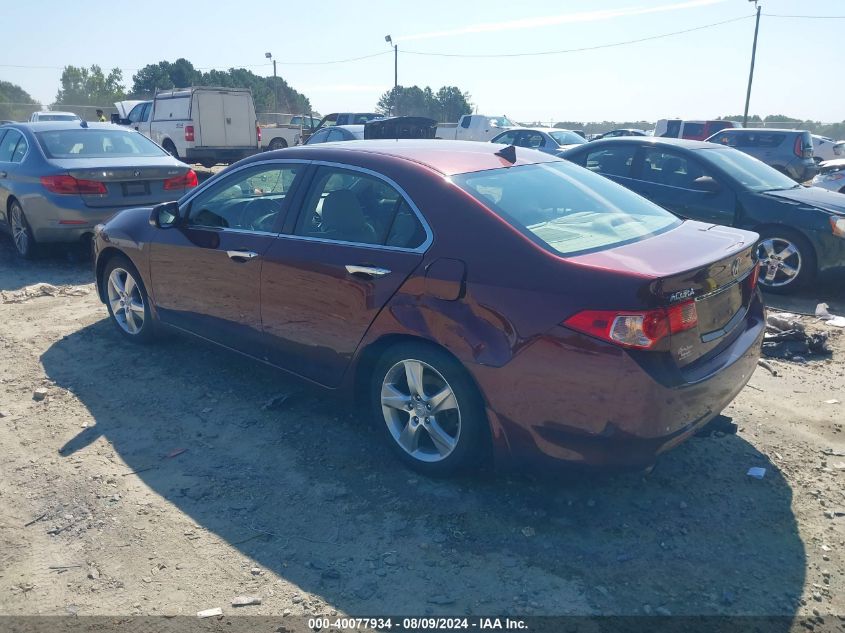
x=585 y=48
x=806 y=17
x=336 y=61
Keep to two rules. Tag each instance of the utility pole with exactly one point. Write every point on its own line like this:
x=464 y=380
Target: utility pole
x=751 y=73
x=275 y=95
x=390 y=41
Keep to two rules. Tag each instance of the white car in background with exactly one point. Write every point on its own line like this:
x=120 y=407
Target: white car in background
x=831 y=175
x=825 y=148
x=52 y=115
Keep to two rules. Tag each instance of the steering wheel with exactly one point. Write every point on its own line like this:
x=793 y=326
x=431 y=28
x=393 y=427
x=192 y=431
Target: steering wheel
x=259 y=214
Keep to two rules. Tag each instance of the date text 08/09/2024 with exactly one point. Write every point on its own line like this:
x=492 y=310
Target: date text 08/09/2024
x=416 y=624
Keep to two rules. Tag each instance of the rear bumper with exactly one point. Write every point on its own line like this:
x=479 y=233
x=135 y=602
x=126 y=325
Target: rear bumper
x=569 y=398
x=830 y=250
x=219 y=154
x=62 y=218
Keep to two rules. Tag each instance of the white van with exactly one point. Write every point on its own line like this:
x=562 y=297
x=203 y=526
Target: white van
x=198 y=125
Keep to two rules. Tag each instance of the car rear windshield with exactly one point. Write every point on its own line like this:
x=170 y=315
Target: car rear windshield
x=566 y=208
x=57 y=117
x=747 y=170
x=96 y=143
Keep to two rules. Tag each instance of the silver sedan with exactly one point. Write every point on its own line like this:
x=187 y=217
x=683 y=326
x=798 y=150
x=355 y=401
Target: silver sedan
x=550 y=140
x=59 y=180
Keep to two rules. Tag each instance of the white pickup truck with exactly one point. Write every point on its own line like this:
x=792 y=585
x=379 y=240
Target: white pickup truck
x=198 y=125
x=284 y=130
x=474 y=127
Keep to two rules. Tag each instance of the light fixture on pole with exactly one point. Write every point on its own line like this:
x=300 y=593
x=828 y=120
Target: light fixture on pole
x=275 y=98
x=751 y=72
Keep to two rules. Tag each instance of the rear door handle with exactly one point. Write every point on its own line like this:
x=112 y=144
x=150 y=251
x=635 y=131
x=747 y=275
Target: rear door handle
x=241 y=256
x=3 y=174
x=367 y=271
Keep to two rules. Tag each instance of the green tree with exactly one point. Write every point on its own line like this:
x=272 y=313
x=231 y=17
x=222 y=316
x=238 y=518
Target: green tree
x=448 y=104
x=13 y=100
x=90 y=86
x=164 y=75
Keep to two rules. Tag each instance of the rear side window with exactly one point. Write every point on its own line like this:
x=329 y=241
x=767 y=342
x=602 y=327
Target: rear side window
x=673 y=129
x=348 y=206
x=532 y=140
x=20 y=150
x=507 y=138
x=750 y=140
x=613 y=161
x=566 y=209
x=8 y=145
x=693 y=130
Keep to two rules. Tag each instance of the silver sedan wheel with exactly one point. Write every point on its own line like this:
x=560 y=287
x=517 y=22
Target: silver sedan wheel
x=780 y=261
x=126 y=301
x=420 y=410
x=20 y=234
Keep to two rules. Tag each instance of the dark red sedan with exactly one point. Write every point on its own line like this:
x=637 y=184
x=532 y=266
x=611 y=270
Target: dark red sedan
x=476 y=297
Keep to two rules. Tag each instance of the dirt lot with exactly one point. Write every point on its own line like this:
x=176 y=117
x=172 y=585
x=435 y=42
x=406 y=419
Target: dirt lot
x=152 y=481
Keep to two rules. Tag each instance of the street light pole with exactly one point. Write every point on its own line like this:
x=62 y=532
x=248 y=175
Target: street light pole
x=751 y=72
x=389 y=40
x=275 y=96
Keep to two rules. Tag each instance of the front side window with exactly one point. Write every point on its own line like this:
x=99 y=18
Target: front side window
x=565 y=137
x=566 y=209
x=532 y=140
x=318 y=137
x=335 y=135
x=612 y=161
x=349 y=206
x=97 y=143
x=250 y=200
x=137 y=113
x=670 y=169
x=693 y=129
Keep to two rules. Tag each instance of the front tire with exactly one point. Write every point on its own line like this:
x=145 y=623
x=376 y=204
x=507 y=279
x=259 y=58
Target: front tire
x=21 y=232
x=787 y=260
x=428 y=409
x=127 y=300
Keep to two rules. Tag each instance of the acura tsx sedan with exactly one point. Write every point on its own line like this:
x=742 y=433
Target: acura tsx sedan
x=476 y=298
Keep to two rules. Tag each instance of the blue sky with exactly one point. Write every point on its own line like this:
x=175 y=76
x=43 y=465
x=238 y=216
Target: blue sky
x=699 y=74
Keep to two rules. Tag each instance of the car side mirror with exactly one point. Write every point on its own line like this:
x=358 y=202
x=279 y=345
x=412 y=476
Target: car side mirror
x=707 y=184
x=165 y=215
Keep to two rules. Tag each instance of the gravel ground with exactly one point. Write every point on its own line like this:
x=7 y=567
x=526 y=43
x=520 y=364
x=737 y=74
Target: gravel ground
x=156 y=481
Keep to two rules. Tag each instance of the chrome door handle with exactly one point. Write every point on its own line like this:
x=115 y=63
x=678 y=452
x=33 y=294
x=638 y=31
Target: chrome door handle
x=368 y=271
x=3 y=174
x=241 y=254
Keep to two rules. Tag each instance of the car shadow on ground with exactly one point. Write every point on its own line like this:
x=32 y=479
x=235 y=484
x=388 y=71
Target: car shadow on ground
x=313 y=495
x=828 y=288
x=54 y=264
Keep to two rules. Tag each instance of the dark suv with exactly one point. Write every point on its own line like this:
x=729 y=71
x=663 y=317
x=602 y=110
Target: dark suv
x=788 y=151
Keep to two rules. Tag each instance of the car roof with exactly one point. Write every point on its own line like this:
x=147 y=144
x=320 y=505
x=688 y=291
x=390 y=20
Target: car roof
x=445 y=157
x=760 y=129
x=651 y=140
x=40 y=126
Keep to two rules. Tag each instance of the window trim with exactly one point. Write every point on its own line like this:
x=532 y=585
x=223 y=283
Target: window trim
x=422 y=248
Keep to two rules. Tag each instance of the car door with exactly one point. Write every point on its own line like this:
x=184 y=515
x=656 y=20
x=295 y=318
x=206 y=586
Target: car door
x=355 y=241
x=13 y=148
x=683 y=185
x=206 y=271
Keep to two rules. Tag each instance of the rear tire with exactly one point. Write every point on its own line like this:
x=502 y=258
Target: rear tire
x=787 y=260
x=278 y=143
x=21 y=232
x=428 y=409
x=127 y=300
x=170 y=148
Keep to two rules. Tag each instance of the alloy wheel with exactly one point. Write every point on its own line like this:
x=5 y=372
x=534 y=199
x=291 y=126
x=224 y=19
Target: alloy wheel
x=421 y=410
x=20 y=231
x=780 y=262
x=126 y=301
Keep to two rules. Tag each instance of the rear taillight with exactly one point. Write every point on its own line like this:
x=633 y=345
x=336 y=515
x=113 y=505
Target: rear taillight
x=186 y=181
x=801 y=149
x=258 y=133
x=189 y=133
x=68 y=185
x=639 y=330
x=754 y=276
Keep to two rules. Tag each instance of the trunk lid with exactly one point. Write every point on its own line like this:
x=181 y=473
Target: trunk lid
x=128 y=181
x=708 y=265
